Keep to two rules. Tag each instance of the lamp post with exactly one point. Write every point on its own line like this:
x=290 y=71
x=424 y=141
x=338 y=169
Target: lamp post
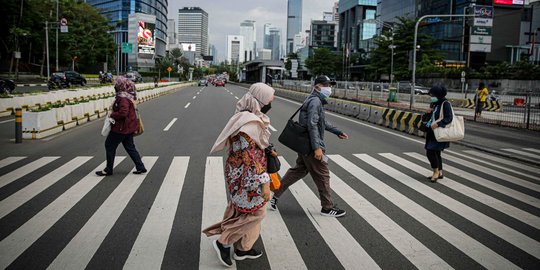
x=413 y=84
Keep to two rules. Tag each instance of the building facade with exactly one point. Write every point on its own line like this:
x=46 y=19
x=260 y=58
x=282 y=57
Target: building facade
x=272 y=40
x=294 y=22
x=235 y=47
x=265 y=54
x=248 y=31
x=193 y=28
x=118 y=12
x=322 y=34
x=356 y=32
x=172 y=39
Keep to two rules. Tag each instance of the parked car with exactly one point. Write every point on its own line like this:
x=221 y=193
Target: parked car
x=58 y=80
x=405 y=87
x=74 y=77
x=7 y=86
x=134 y=76
x=219 y=83
x=202 y=82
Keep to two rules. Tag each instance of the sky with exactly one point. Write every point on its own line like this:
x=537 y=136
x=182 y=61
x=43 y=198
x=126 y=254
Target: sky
x=225 y=16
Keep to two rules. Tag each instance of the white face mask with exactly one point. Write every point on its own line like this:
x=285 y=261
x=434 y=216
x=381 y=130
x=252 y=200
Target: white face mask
x=326 y=91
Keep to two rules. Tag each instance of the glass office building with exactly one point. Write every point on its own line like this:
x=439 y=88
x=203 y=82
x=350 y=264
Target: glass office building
x=356 y=32
x=118 y=12
x=294 y=22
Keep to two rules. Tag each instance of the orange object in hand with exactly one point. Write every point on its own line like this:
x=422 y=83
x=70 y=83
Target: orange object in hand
x=274 y=181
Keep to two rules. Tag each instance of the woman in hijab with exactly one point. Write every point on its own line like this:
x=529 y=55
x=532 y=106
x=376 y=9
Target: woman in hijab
x=246 y=136
x=126 y=123
x=432 y=146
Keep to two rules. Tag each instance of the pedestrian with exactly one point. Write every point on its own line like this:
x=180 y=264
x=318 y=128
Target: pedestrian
x=126 y=124
x=155 y=81
x=315 y=163
x=481 y=96
x=432 y=146
x=246 y=135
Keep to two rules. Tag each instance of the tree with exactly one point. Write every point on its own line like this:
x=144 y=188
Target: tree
x=323 y=62
x=403 y=39
x=288 y=63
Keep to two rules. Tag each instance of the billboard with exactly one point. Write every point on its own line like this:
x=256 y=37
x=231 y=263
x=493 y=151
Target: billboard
x=508 y=2
x=145 y=40
x=189 y=47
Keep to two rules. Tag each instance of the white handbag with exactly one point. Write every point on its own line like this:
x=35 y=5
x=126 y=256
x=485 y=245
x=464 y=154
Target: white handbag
x=454 y=131
x=107 y=125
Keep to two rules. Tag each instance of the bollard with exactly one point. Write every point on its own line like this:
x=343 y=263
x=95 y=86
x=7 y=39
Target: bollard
x=18 y=125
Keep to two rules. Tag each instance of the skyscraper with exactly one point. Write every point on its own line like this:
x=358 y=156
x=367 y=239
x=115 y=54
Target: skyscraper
x=171 y=35
x=294 y=22
x=272 y=40
x=235 y=47
x=247 y=30
x=193 y=28
x=355 y=30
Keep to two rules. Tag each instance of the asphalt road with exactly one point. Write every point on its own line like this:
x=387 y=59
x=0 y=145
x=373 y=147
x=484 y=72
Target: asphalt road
x=54 y=212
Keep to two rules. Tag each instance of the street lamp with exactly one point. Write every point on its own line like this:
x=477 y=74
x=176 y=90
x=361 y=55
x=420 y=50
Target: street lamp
x=413 y=84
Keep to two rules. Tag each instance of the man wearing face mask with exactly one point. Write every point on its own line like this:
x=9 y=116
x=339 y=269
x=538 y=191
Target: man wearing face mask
x=316 y=163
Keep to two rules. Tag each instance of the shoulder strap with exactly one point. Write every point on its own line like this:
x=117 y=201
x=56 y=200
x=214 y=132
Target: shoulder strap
x=305 y=103
x=441 y=115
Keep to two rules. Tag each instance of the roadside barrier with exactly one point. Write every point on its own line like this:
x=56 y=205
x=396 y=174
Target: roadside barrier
x=491 y=106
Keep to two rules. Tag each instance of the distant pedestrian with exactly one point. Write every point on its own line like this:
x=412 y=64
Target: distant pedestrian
x=432 y=146
x=155 y=81
x=126 y=124
x=246 y=135
x=481 y=96
x=315 y=163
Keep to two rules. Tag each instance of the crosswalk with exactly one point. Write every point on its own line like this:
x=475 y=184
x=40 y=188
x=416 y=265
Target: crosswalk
x=485 y=213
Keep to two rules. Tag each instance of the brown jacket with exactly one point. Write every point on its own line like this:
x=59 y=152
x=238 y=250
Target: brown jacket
x=125 y=116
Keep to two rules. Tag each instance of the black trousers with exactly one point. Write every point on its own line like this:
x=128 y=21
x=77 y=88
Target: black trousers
x=112 y=142
x=434 y=157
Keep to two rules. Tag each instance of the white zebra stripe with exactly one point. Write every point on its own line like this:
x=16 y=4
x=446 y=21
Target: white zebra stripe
x=532 y=150
x=474 y=249
x=506 y=162
x=24 y=170
x=10 y=160
x=80 y=250
x=522 y=153
x=16 y=243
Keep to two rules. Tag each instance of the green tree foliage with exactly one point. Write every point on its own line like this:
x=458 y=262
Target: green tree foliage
x=403 y=39
x=324 y=62
x=87 y=39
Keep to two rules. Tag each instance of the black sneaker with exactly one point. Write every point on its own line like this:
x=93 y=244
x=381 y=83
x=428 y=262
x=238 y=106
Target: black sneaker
x=250 y=254
x=333 y=212
x=223 y=253
x=140 y=171
x=273 y=204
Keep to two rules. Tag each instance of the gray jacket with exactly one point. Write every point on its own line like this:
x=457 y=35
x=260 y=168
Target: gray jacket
x=312 y=117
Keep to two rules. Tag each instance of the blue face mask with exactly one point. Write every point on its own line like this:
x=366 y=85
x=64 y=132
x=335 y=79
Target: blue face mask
x=434 y=99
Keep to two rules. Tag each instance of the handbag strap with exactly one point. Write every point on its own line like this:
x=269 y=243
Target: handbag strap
x=441 y=115
x=295 y=113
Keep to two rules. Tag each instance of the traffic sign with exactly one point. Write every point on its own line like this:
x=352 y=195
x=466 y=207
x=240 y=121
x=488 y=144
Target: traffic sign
x=481 y=30
x=127 y=47
x=63 y=28
x=169 y=69
x=63 y=22
x=462 y=80
x=463 y=74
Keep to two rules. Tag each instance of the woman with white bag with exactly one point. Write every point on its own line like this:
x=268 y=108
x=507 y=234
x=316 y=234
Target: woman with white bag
x=432 y=146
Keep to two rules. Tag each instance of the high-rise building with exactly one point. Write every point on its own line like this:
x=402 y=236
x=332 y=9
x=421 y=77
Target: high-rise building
x=118 y=12
x=247 y=30
x=299 y=42
x=294 y=22
x=212 y=51
x=335 y=12
x=172 y=40
x=193 y=28
x=272 y=40
x=356 y=32
x=322 y=34
x=388 y=11
x=265 y=54
x=235 y=47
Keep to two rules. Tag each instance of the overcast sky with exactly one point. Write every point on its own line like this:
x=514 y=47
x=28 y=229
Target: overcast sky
x=225 y=16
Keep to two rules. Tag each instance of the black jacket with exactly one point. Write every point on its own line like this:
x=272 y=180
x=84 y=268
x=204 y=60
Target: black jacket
x=312 y=117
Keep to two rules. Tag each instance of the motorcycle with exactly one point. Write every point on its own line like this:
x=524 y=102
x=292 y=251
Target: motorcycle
x=105 y=78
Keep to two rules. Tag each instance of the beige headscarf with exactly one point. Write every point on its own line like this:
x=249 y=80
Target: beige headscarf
x=248 y=118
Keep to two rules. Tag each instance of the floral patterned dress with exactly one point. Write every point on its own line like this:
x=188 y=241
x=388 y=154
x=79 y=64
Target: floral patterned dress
x=245 y=172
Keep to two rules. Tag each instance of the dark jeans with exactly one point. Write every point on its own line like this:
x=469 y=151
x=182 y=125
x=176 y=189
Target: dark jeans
x=319 y=172
x=480 y=106
x=434 y=157
x=112 y=142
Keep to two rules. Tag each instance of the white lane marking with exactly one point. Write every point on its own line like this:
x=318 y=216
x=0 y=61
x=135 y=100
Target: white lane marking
x=530 y=155
x=17 y=242
x=22 y=196
x=170 y=124
x=508 y=169
x=82 y=247
x=214 y=203
x=236 y=97
x=24 y=170
x=7 y=121
x=231 y=93
x=149 y=248
x=349 y=253
x=532 y=150
x=486 y=183
x=485 y=222
x=10 y=160
x=496 y=204
x=474 y=249
x=187 y=105
x=272 y=128
x=489 y=171
x=507 y=162
x=412 y=249
x=194 y=97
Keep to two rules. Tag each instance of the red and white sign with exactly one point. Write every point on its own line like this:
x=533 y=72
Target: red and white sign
x=508 y=2
x=63 y=22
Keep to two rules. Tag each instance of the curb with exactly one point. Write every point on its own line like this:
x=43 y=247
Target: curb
x=32 y=84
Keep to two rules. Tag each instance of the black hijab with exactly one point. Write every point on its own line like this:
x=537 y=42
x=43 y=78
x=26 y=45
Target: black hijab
x=439 y=92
